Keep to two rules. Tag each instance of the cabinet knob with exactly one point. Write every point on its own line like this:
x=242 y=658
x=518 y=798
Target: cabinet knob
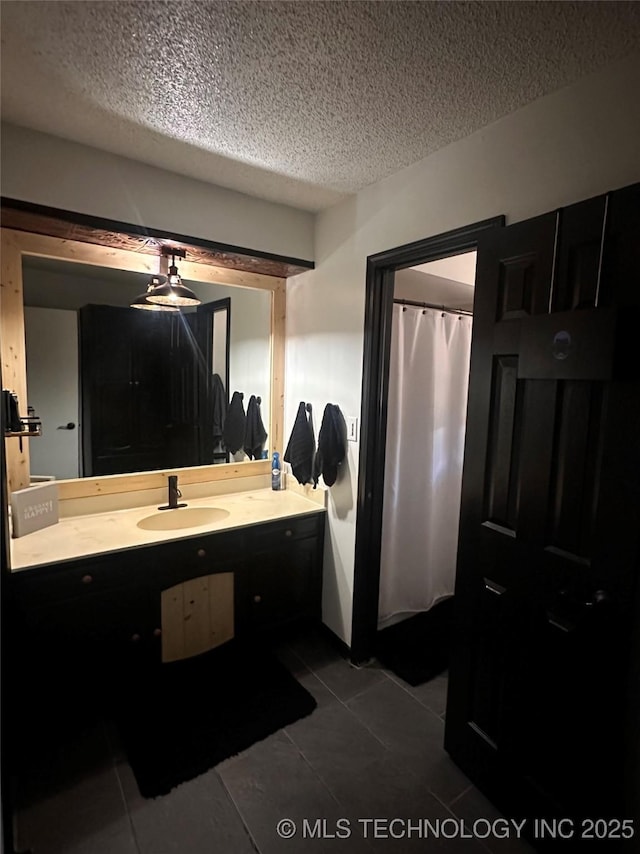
x=87 y=579
x=257 y=598
x=157 y=633
x=135 y=638
x=202 y=552
x=288 y=532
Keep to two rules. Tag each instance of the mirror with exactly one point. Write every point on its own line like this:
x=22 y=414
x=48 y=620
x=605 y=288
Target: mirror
x=112 y=250
x=120 y=390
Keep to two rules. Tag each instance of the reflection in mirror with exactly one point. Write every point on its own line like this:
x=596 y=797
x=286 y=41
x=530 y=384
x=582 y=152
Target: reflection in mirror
x=120 y=390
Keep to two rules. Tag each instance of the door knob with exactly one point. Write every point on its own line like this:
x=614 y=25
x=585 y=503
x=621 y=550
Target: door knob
x=68 y=426
x=600 y=597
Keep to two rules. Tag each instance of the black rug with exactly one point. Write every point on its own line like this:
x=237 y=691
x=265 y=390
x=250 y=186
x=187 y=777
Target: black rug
x=417 y=649
x=177 y=720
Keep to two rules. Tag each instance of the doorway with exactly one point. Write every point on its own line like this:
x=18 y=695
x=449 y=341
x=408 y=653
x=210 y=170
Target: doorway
x=427 y=408
x=381 y=274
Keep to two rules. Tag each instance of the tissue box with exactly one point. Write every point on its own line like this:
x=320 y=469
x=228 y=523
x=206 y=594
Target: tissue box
x=34 y=508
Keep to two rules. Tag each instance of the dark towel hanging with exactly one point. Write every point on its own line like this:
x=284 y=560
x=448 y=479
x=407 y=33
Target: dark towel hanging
x=255 y=434
x=301 y=445
x=234 y=425
x=332 y=445
x=218 y=408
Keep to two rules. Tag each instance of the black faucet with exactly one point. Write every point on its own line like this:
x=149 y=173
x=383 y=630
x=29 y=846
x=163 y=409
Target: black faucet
x=174 y=494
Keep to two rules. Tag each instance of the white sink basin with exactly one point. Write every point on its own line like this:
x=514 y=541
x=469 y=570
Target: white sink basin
x=183 y=517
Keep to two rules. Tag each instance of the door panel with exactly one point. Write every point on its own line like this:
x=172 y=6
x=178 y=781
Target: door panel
x=578 y=255
x=574 y=470
x=548 y=552
x=621 y=250
x=501 y=481
x=577 y=345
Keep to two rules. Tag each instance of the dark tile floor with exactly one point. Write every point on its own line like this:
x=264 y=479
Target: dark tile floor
x=372 y=749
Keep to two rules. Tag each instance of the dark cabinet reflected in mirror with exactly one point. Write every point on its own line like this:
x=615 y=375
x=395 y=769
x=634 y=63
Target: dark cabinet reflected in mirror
x=138 y=384
x=147 y=401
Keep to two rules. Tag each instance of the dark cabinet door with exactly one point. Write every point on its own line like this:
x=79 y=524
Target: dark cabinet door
x=97 y=625
x=150 y=344
x=125 y=387
x=275 y=588
x=281 y=580
x=548 y=550
x=212 y=326
x=184 y=417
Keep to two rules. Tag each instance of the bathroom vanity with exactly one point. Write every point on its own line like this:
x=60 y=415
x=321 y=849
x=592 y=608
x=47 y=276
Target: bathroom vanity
x=100 y=587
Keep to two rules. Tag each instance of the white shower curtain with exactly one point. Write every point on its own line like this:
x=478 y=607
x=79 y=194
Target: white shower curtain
x=428 y=382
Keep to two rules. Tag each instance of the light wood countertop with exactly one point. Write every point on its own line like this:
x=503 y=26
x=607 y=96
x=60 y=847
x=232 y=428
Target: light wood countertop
x=100 y=533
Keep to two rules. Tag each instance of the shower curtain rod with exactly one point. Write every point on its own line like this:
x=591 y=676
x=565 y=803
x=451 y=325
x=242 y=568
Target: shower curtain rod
x=432 y=305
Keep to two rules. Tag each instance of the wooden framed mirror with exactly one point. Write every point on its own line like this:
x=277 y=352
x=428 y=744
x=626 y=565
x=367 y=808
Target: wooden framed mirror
x=24 y=250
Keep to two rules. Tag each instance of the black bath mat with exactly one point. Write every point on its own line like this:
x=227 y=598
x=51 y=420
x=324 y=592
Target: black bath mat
x=177 y=720
x=417 y=649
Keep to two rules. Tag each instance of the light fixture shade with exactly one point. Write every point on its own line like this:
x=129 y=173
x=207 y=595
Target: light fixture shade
x=143 y=300
x=173 y=295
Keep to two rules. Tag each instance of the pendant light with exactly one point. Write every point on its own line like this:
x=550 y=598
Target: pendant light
x=173 y=293
x=143 y=300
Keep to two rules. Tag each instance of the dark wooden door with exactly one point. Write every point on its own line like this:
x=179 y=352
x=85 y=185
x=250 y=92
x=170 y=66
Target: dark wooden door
x=183 y=413
x=213 y=332
x=125 y=389
x=548 y=555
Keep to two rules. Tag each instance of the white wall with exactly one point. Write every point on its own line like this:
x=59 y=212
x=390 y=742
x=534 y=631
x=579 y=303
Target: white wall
x=576 y=143
x=52 y=379
x=50 y=171
x=424 y=287
x=457 y=268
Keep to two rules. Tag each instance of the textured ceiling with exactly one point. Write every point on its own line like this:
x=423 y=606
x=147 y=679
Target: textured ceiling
x=298 y=102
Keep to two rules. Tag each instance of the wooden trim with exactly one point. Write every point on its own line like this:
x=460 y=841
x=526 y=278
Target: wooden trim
x=38 y=219
x=15 y=244
x=43 y=246
x=278 y=328
x=13 y=354
x=381 y=270
x=113 y=484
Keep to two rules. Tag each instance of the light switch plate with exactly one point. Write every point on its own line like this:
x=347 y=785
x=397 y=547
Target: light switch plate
x=352 y=428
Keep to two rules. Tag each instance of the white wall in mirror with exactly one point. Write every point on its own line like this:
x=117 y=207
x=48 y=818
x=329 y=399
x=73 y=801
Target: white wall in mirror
x=52 y=376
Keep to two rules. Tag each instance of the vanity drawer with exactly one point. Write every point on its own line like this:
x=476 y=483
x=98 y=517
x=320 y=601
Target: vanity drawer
x=279 y=534
x=119 y=616
x=153 y=567
x=47 y=584
x=206 y=554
